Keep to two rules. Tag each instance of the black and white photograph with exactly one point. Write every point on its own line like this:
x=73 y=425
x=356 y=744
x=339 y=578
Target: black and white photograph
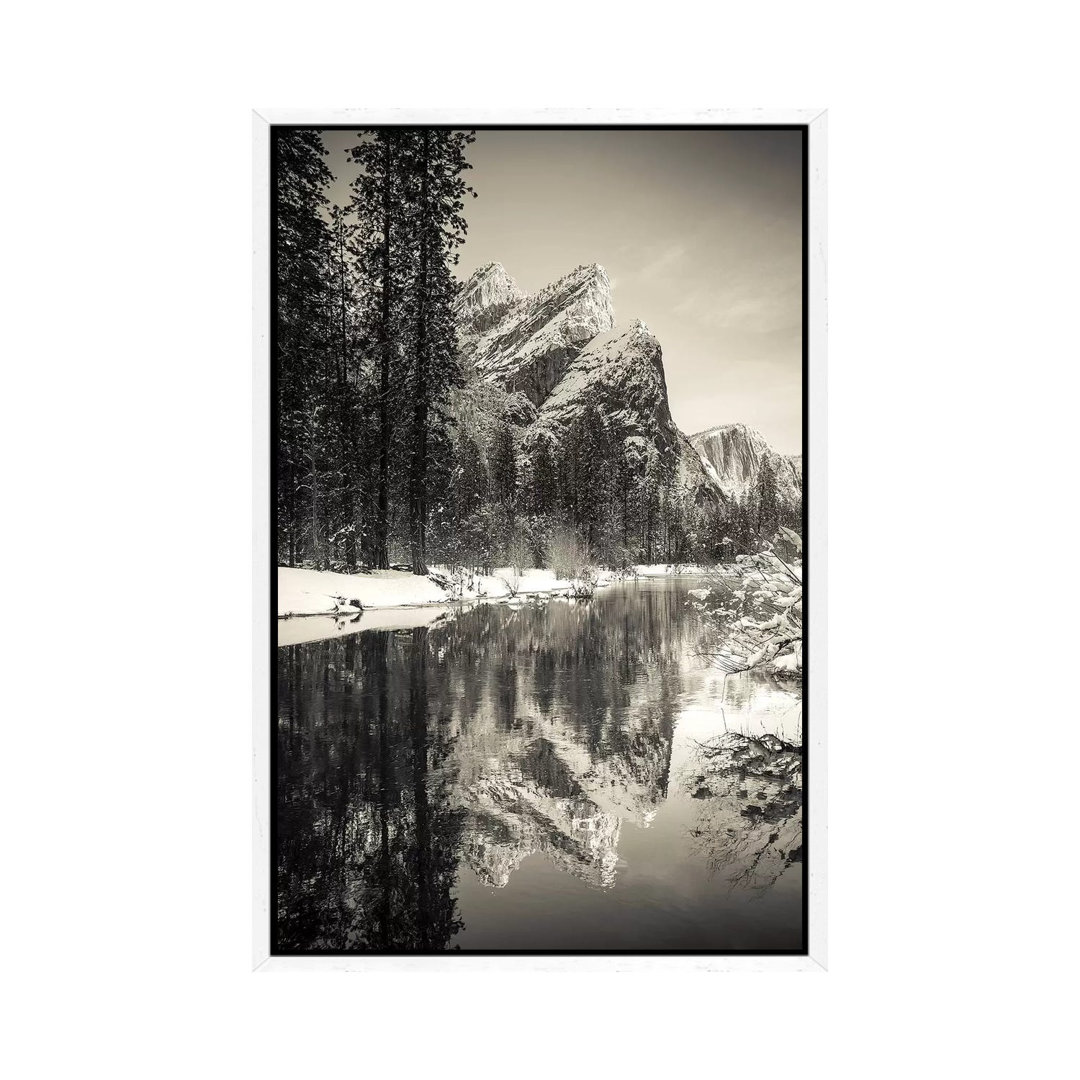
x=539 y=438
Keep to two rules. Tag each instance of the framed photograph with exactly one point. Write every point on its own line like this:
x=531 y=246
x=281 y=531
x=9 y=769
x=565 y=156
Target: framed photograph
x=539 y=539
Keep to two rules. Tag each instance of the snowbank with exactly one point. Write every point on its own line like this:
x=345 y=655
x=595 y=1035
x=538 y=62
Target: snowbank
x=317 y=592
x=663 y=569
x=506 y=582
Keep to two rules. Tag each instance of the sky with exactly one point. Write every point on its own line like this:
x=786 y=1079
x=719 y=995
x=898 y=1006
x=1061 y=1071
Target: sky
x=700 y=232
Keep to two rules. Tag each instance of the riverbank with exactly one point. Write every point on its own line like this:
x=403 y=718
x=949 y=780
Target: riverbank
x=317 y=592
x=321 y=592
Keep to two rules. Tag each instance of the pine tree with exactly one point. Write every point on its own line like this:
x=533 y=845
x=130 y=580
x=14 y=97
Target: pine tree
x=767 y=501
x=543 y=488
x=610 y=492
x=651 y=485
x=345 y=405
x=624 y=480
x=502 y=461
x=468 y=493
x=301 y=242
x=436 y=229
x=567 y=465
x=381 y=194
x=589 y=463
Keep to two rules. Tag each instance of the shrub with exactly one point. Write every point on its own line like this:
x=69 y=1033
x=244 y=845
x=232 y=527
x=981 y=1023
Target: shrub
x=567 y=555
x=758 y=612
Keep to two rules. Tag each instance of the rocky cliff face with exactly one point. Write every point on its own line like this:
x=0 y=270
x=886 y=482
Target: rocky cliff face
x=795 y=460
x=560 y=349
x=487 y=296
x=528 y=342
x=622 y=373
x=734 y=454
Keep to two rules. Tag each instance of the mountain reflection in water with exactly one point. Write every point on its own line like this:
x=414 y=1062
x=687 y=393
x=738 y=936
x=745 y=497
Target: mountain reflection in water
x=539 y=776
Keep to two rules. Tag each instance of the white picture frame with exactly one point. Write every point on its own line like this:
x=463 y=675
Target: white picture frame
x=815 y=292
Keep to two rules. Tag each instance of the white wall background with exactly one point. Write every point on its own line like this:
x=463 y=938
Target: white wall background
x=126 y=439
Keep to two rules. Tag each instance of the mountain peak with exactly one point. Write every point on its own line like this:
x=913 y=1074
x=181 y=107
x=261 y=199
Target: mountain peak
x=736 y=428
x=734 y=454
x=490 y=270
x=559 y=348
x=587 y=278
x=528 y=346
x=485 y=297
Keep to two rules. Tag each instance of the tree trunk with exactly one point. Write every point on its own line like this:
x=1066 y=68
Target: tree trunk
x=347 y=417
x=418 y=479
x=382 y=517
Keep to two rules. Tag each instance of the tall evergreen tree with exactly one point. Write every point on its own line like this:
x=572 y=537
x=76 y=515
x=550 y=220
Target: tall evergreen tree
x=345 y=405
x=437 y=229
x=543 y=486
x=651 y=485
x=588 y=467
x=468 y=493
x=381 y=196
x=502 y=463
x=301 y=176
x=567 y=466
x=767 y=502
x=624 y=497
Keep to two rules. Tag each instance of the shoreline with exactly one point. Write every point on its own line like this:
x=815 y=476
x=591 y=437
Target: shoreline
x=305 y=593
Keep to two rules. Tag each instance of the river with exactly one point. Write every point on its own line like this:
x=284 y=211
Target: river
x=537 y=776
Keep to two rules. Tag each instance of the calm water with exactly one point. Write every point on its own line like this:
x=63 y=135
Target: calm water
x=544 y=776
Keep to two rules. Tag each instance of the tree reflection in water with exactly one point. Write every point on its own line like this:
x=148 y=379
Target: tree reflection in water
x=750 y=826
x=366 y=832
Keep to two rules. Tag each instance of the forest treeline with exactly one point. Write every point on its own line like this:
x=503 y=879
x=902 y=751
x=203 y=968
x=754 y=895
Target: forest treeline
x=388 y=451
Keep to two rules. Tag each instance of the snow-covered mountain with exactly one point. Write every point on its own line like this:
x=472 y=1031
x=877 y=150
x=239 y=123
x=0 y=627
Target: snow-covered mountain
x=560 y=349
x=485 y=299
x=734 y=453
x=527 y=342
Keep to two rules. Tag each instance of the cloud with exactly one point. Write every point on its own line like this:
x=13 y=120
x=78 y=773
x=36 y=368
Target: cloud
x=764 y=300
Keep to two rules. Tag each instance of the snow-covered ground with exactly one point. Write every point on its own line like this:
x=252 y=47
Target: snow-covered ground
x=317 y=592
x=320 y=592
x=663 y=569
